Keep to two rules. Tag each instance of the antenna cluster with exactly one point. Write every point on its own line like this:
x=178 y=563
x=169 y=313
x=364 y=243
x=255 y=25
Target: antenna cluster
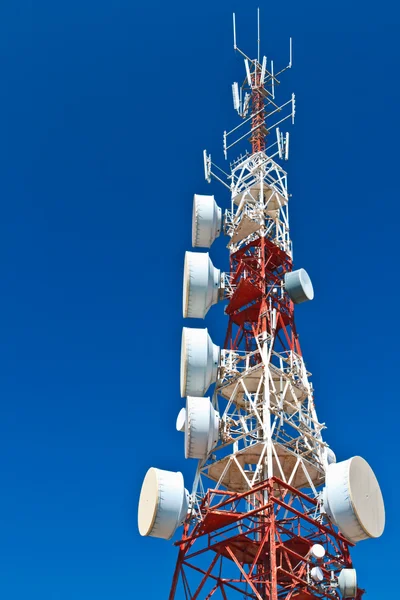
x=258 y=88
x=271 y=513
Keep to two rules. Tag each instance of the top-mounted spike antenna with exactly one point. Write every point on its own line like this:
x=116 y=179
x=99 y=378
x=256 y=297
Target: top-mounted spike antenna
x=258 y=34
x=234 y=32
x=290 y=53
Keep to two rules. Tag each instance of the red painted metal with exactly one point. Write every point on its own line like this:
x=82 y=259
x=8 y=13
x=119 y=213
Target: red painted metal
x=259 y=131
x=256 y=545
x=257 y=271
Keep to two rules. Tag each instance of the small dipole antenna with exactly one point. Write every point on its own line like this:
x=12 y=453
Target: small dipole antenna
x=234 y=32
x=258 y=34
x=272 y=79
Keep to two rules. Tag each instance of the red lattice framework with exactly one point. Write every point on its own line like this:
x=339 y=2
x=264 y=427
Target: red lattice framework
x=256 y=545
x=258 y=96
x=257 y=273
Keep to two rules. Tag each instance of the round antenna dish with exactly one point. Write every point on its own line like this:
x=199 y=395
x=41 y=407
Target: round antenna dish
x=206 y=221
x=201 y=285
x=199 y=362
x=347 y=581
x=353 y=499
x=317 y=551
x=163 y=503
x=181 y=420
x=201 y=427
x=330 y=456
x=299 y=287
x=317 y=574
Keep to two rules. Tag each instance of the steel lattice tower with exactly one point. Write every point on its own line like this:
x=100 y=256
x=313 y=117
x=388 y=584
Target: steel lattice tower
x=271 y=513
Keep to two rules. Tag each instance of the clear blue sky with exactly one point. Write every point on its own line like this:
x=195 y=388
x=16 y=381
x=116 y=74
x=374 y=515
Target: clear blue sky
x=105 y=109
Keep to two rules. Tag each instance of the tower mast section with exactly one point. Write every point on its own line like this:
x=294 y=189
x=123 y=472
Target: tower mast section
x=271 y=513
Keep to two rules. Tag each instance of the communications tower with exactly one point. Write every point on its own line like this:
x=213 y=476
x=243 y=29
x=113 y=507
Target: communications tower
x=271 y=514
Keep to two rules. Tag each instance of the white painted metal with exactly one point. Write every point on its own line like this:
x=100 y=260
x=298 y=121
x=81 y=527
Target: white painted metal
x=347 y=581
x=163 y=503
x=246 y=104
x=263 y=69
x=246 y=64
x=279 y=142
x=353 y=499
x=287 y=146
x=201 y=285
x=206 y=219
x=199 y=362
x=317 y=551
x=317 y=574
x=235 y=96
x=293 y=450
x=259 y=193
x=299 y=287
x=201 y=427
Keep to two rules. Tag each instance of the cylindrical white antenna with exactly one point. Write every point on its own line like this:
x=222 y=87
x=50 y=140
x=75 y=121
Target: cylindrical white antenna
x=246 y=64
x=290 y=53
x=258 y=34
x=235 y=95
x=293 y=107
x=278 y=140
x=287 y=146
x=234 y=32
x=263 y=69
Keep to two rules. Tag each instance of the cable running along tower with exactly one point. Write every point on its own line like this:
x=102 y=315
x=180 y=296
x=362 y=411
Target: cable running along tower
x=271 y=514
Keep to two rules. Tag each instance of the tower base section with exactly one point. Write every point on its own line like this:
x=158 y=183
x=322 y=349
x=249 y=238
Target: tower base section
x=260 y=544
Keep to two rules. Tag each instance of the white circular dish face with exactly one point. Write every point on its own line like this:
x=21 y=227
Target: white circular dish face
x=299 y=287
x=317 y=574
x=317 y=551
x=181 y=420
x=163 y=503
x=330 y=456
x=366 y=497
x=348 y=583
x=148 y=502
x=353 y=499
x=306 y=284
